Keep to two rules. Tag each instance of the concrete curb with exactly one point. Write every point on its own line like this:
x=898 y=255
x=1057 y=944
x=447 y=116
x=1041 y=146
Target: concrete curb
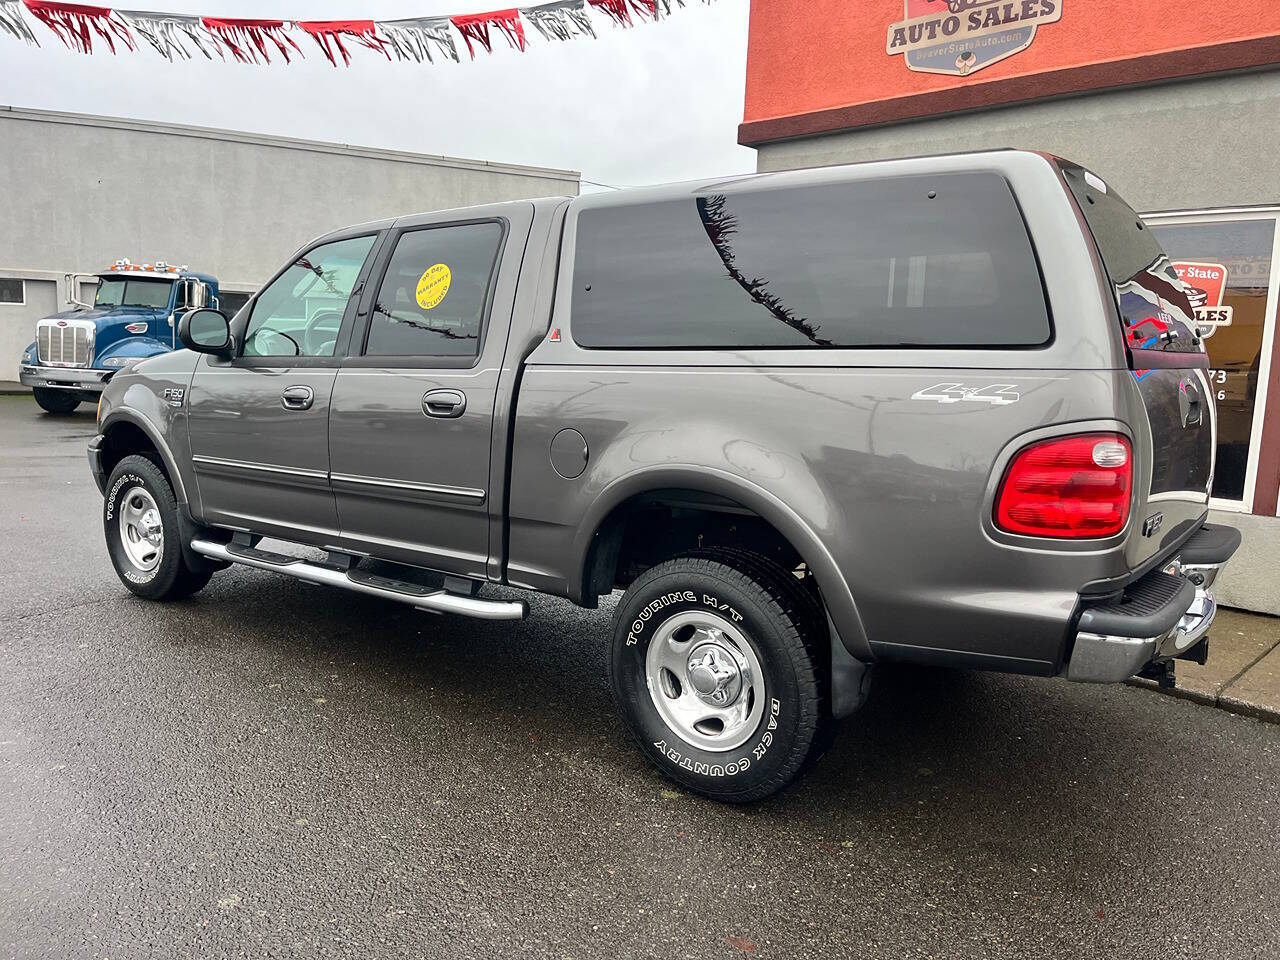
x=11 y=388
x=1242 y=675
x=1236 y=705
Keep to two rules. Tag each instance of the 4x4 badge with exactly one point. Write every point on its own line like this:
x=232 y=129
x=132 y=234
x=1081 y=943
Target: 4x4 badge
x=174 y=395
x=995 y=393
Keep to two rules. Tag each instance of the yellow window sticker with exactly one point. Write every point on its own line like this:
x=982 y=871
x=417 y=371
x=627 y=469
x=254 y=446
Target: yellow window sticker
x=433 y=285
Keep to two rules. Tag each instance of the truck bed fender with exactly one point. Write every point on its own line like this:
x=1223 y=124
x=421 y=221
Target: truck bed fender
x=835 y=589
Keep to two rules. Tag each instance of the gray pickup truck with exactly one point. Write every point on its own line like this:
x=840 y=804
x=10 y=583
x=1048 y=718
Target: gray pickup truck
x=948 y=410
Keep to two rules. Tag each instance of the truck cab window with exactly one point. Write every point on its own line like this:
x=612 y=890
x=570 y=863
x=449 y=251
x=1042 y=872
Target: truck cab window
x=110 y=293
x=432 y=299
x=299 y=313
x=133 y=293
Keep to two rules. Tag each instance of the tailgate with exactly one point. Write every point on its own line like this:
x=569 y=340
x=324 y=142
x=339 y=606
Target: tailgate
x=1167 y=360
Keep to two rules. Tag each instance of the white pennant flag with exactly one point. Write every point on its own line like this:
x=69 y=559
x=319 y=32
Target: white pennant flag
x=562 y=20
x=413 y=39
x=11 y=21
x=166 y=32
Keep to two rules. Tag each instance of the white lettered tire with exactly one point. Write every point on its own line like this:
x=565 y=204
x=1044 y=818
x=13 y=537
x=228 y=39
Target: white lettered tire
x=716 y=669
x=140 y=521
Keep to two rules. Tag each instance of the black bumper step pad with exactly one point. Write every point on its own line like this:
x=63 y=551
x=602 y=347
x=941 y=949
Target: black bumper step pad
x=1149 y=607
x=1212 y=543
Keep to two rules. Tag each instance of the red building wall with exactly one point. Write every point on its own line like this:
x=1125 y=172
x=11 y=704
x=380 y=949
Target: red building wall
x=814 y=66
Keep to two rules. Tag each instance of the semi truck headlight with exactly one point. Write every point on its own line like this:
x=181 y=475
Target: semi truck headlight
x=115 y=361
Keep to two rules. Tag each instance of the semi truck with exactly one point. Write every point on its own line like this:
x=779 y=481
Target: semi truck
x=134 y=315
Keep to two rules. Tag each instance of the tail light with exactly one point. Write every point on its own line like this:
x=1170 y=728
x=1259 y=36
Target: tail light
x=1068 y=487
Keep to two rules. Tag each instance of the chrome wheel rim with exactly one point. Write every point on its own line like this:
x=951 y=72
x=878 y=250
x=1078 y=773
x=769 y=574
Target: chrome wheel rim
x=705 y=680
x=141 y=529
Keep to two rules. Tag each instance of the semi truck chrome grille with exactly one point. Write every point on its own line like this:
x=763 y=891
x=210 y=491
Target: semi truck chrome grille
x=64 y=344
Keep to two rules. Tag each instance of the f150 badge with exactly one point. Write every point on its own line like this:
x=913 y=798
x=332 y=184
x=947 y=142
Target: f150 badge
x=174 y=395
x=998 y=394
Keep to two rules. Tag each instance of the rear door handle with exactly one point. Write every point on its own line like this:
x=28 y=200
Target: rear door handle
x=297 y=398
x=445 y=404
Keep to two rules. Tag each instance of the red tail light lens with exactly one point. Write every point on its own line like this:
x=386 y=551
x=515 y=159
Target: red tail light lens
x=1069 y=487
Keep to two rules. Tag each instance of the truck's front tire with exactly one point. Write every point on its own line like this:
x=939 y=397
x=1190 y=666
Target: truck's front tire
x=140 y=520
x=716 y=670
x=58 y=402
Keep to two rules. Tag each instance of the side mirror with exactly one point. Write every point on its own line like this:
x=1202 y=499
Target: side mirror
x=206 y=331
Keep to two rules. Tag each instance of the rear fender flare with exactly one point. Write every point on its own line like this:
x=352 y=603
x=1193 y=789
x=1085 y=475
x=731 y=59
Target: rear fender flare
x=835 y=589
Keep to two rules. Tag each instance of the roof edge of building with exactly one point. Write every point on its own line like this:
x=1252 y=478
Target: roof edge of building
x=293 y=143
x=1236 y=56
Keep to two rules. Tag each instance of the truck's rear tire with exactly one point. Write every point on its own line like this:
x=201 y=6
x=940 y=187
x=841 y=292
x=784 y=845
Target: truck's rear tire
x=716 y=669
x=140 y=520
x=57 y=402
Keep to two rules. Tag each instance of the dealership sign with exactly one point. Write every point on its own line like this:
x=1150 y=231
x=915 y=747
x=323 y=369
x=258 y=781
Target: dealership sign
x=1206 y=285
x=959 y=37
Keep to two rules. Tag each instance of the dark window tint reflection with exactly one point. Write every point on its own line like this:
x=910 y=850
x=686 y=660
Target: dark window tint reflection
x=432 y=299
x=916 y=261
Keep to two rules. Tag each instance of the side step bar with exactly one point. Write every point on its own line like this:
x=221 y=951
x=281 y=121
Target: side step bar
x=423 y=598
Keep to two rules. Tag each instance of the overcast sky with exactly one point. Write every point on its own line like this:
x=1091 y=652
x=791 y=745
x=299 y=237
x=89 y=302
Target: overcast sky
x=655 y=103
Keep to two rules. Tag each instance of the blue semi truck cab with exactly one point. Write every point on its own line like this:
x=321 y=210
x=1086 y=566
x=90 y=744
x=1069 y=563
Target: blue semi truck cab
x=134 y=315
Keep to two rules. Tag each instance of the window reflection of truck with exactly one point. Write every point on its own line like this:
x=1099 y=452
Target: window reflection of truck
x=134 y=315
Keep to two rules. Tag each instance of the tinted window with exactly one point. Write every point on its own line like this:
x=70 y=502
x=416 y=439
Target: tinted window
x=432 y=299
x=133 y=293
x=230 y=303
x=915 y=261
x=110 y=293
x=1154 y=304
x=11 y=291
x=147 y=293
x=300 y=312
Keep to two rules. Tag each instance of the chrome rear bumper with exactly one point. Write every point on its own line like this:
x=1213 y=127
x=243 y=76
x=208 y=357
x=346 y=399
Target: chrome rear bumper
x=1105 y=658
x=1160 y=617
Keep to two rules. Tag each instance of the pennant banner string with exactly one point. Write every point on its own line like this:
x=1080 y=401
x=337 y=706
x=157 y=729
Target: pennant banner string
x=174 y=35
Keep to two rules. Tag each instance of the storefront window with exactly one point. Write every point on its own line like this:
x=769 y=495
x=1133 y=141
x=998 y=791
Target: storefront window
x=1227 y=263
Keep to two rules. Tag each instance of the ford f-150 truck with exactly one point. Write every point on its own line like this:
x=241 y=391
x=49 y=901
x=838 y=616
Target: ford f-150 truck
x=133 y=316
x=947 y=410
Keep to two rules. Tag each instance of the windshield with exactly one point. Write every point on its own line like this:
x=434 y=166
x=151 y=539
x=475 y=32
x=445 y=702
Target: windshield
x=118 y=292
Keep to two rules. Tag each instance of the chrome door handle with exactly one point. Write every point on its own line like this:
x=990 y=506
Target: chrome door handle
x=445 y=404
x=297 y=398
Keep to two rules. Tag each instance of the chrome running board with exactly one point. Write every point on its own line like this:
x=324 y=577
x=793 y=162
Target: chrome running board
x=431 y=599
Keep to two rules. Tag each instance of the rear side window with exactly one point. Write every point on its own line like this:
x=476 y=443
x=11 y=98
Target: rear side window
x=906 y=262
x=1154 y=304
x=433 y=296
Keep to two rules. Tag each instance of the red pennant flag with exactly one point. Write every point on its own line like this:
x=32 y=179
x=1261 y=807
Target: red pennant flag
x=326 y=32
x=616 y=10
x=475 y=26
x=75 y=24
x=243 y=37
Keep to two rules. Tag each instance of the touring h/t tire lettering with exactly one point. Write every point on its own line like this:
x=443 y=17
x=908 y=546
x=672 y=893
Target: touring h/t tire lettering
x=752 y=596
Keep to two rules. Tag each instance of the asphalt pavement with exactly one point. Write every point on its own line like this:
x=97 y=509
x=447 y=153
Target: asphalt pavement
x=274 y=769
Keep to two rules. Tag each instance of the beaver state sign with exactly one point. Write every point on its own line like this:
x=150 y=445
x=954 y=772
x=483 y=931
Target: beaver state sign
x=959 y=37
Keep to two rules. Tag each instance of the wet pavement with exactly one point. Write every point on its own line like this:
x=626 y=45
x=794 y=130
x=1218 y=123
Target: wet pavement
x=275 y=769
